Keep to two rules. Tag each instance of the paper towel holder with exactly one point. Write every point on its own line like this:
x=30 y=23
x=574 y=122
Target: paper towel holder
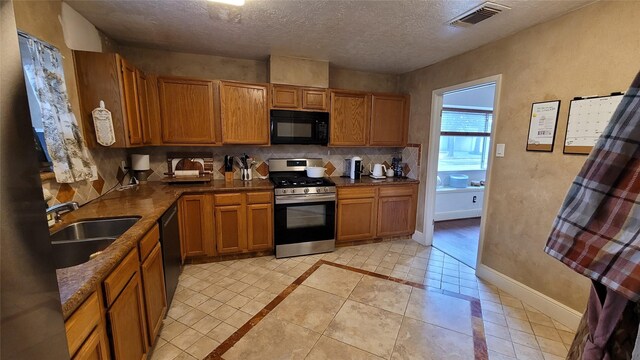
x=140 y=167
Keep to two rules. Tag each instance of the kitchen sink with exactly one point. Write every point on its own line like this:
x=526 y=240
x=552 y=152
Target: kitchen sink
x=77 y=242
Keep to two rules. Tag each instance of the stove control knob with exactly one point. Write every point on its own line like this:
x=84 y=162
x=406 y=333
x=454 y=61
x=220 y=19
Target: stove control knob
x=319 y=190
x=326 y=189
x=306 y=190
x=284 y=191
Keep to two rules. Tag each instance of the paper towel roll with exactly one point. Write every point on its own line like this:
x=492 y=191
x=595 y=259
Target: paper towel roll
x=139 y=162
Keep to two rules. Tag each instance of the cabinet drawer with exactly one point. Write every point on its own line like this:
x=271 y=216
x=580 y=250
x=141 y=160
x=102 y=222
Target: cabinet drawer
x=148 y=242
x=259 y=198
x=117 y=280
x=228 y=199
x=356 y=192
x=82 y=322
x=397 y=190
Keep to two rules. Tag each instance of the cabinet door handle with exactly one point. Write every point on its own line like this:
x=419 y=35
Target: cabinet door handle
x=475 y=199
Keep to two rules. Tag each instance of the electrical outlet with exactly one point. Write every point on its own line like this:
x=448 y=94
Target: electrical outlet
x=123 y=166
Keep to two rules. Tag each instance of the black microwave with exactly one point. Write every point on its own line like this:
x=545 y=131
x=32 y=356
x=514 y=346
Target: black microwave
x=299 y=127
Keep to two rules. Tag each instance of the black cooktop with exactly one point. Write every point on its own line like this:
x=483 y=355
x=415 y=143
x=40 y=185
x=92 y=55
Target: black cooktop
x=299 y=181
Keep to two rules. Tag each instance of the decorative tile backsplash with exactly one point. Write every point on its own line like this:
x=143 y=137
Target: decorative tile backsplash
x=107 y=161
x=333 y=157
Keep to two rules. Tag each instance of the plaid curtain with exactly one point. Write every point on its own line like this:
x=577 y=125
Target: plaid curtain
x=596 y=230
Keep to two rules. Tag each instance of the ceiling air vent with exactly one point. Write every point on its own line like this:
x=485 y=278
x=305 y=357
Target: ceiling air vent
x=477 y=14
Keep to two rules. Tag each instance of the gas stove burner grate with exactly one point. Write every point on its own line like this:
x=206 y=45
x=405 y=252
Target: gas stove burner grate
x=301 y=181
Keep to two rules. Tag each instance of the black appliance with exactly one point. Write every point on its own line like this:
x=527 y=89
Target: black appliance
x=171 y=257
x=299 y=127
x=31 y=324
x=305 y=209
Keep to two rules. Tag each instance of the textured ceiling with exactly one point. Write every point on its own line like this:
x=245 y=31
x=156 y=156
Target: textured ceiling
x=380 y=36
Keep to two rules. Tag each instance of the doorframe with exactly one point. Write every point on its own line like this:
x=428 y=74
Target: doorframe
x=432 y=157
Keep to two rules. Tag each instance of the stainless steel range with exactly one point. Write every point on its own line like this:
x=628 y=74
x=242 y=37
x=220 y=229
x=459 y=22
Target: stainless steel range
x=305 y=208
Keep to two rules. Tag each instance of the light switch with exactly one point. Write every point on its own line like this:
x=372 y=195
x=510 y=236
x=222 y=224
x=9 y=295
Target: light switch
x=499 y=150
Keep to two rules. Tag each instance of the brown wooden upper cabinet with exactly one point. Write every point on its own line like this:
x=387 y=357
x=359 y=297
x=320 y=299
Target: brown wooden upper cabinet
x=110 y=78
x=245 y=113
x=389 y=120
x=298 y=98
x=349 y=118
x=187 y=111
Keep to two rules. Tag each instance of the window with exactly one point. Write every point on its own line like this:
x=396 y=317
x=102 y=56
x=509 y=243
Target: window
x=464 y=139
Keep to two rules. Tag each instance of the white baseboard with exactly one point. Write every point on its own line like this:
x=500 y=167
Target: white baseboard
x=418 y=236
x=458 y=214
x=558 y=311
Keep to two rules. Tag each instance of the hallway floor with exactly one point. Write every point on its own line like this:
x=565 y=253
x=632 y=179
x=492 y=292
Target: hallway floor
x=458 y=239
x=390 y=300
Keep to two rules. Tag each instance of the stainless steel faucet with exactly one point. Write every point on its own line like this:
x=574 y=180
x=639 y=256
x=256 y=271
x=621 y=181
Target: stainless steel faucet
x=59 y=209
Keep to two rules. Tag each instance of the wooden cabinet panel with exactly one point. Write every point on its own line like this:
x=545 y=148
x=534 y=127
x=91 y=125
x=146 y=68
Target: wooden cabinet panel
x=128 y=324
x=94 y=348
x=259 y=197
x=259 y=227
x=245 y=113
x=285 y=97
x=231 y=229
x=389 y=120
x=148 y=242
x=356 y=219
x=357 y=192
x=130 y=100
x=395 y=214
x=144 y=102
x=397 y=210
x=196 y=221
x=154 y=292
x=314 y=99
x=119 y=277
x=104 y=77
x=187 y=111
x=82 y=322
x=349 y=118
x=228 y=199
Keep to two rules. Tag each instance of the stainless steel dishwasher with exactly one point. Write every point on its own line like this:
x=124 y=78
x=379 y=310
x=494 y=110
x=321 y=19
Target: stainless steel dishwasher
x=170 y=240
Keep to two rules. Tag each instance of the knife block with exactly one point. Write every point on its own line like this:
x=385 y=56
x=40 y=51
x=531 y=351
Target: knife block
x=228 y=176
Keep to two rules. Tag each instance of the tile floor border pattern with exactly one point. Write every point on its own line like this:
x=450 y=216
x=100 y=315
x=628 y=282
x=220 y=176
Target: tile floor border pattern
x=479 y=340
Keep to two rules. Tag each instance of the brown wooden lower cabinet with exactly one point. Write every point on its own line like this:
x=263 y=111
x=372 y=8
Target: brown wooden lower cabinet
x=356 y=219
x=94 y=348
x=396 y=215
x=85 y=329
x=154 y=292
x=368 y=212
x=244 y=222
x=259 y=227
x=231 y=230
x=127 y=322
x=196 y=225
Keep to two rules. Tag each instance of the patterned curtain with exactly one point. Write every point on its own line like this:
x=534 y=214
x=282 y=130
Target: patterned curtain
x=66 y=147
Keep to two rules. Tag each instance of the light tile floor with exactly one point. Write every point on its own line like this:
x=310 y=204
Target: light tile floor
x=214 y=300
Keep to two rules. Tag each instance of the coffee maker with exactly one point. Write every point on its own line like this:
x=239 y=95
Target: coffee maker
x=353 y=167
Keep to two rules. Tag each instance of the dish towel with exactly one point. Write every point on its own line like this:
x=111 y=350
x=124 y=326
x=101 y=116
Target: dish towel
x=596 y=230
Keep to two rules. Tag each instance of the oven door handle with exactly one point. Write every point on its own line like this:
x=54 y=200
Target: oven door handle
x=297 y=199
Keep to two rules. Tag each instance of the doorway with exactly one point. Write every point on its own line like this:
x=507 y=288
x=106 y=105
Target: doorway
x=459 y=166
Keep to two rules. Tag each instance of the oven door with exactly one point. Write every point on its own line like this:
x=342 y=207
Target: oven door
x=305 y=218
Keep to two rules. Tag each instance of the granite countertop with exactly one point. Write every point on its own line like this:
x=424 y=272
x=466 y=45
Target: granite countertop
x=149 y=201
x=368 y=181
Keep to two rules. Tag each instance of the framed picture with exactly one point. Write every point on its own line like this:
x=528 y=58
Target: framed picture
x=542 y=126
